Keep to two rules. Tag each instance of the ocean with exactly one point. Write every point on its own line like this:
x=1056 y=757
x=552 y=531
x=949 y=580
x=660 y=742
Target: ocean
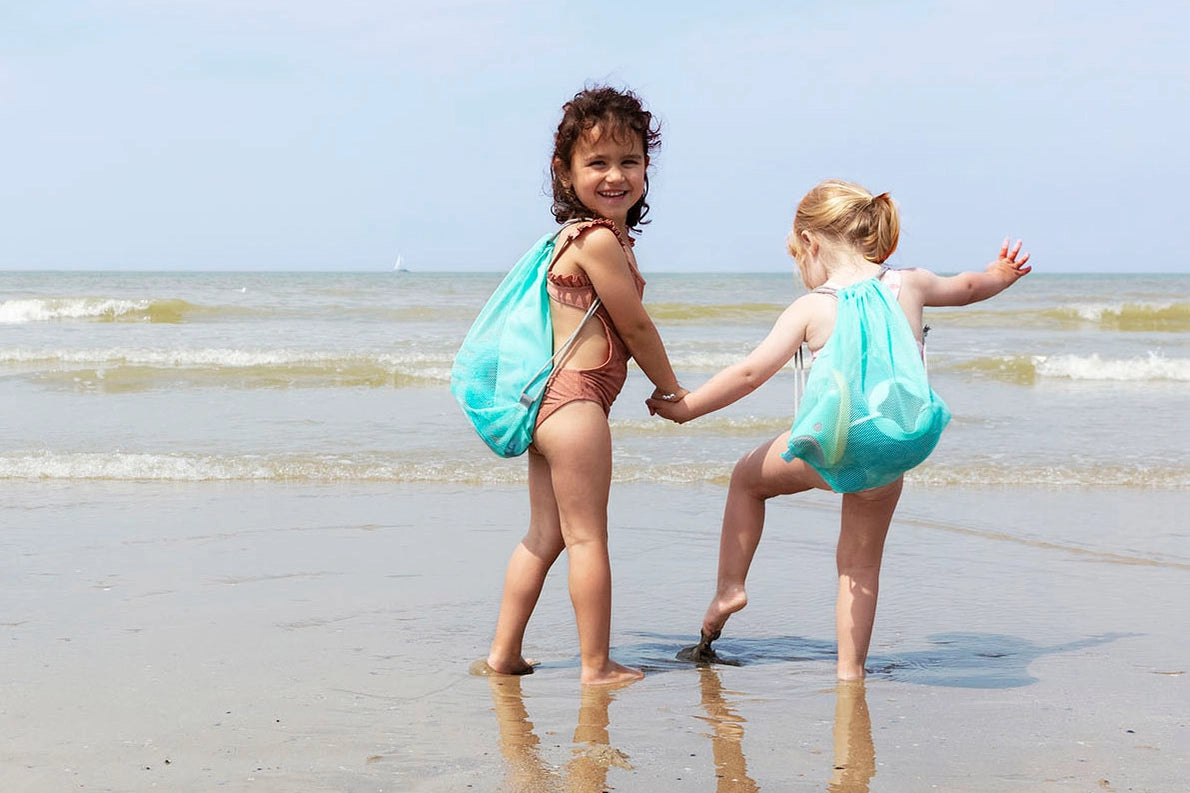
x=249 y=542
x=1064 y=381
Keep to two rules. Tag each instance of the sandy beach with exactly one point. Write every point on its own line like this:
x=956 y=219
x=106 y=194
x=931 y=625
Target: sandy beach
x=274 y=637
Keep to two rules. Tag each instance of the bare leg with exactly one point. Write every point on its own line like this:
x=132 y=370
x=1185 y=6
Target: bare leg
x=864 y=527
x=577 y=442
x=758 y=476
x=527 y=569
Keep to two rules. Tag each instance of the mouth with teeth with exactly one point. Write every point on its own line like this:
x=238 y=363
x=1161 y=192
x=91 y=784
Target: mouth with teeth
x=613 y=193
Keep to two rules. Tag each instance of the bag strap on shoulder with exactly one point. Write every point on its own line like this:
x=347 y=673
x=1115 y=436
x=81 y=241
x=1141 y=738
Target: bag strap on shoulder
x=526 y=399
x=833 y=292
x=574 y=224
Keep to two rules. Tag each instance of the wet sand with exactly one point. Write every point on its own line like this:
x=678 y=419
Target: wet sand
x=272 y=637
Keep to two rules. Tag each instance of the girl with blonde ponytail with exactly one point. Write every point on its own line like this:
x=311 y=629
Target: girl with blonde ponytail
x=841 y=237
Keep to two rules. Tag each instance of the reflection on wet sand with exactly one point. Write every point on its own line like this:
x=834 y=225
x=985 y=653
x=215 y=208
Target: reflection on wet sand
x=526 y=771
x=518 y=742
x=593 y=756
x=727 y=732
x=855 y=754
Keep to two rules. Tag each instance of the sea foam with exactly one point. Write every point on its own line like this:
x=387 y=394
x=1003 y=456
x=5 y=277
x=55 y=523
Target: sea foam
x=1026 y=369
x=24 y=310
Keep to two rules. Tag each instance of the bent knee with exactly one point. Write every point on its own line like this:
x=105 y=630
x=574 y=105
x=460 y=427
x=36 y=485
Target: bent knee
x=763 y=479
x=747 y=477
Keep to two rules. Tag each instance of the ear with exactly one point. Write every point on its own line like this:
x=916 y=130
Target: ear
x=809 y=242
x=562 y=171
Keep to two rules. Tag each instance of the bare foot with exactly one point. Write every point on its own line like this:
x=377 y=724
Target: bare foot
x=702 y=653
x=611 y=674
x=725 y=603
x=495 y=666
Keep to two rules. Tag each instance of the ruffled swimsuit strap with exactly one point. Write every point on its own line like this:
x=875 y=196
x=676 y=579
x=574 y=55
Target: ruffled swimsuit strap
x=600 y=384
x=575 y=289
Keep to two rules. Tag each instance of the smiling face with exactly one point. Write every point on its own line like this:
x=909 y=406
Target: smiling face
x=607 y=173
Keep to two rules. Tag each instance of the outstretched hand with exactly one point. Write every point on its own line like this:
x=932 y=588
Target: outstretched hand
x=1008 y=265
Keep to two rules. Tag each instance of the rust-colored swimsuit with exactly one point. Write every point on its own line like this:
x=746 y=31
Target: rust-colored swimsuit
x=601 y=384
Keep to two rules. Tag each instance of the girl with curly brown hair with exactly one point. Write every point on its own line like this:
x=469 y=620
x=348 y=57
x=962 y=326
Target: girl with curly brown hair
x=599 y=174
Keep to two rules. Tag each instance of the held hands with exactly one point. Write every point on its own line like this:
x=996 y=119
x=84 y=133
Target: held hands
x=670 y=406
x=1008 y=266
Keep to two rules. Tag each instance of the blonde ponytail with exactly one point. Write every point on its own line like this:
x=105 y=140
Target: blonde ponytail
x=848 y=213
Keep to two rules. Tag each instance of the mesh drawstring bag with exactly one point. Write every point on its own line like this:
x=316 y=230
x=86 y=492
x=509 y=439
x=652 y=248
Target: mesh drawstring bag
x=868 y=413
x=500 y=371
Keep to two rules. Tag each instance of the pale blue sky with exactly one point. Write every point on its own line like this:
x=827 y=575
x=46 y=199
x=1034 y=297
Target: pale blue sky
x=290 y=134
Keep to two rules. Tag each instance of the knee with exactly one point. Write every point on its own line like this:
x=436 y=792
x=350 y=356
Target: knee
x=544 y=547
x=745 y=479
x=584 y=538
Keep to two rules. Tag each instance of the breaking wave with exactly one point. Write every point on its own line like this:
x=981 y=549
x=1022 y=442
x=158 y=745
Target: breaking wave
x=1027 y=369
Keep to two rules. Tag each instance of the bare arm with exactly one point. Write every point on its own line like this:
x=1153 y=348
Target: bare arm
x=972 y=287
x=740 y=379
x=605 y=263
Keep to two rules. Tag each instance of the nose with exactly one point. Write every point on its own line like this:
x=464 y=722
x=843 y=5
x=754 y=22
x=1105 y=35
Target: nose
x=614 y=174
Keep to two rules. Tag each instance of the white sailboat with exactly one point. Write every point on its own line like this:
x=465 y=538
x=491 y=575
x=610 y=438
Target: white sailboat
x=399 y=267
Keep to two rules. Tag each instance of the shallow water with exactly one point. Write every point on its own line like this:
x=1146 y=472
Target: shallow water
x=317 y=636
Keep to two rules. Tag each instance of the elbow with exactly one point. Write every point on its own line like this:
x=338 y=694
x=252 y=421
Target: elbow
x=974 y=293
x=637 y=334
x=751 y=379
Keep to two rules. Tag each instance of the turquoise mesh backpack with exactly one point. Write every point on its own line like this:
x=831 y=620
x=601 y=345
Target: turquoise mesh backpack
x=501 y=368
x=868 y=413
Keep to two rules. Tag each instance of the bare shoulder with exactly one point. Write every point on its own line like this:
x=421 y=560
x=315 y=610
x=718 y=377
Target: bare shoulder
x=917 y=283
x=915 y=276
x=811 y=308
x=596 y=248
x=598 y=241
x=814 y=303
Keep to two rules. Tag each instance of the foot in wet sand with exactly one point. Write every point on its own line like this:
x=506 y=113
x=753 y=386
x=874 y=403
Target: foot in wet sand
x=701 y=653
x=611 y=674
x=726 y=603
x=487 y=666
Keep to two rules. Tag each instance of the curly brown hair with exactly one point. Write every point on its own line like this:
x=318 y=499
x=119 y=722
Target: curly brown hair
x=619 y=113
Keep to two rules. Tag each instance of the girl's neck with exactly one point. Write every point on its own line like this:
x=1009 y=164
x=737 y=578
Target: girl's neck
x=846 y=267
x=621 y=225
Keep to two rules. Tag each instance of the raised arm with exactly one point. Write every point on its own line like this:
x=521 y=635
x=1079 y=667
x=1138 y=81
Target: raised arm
x=604 y=261
x=971 y=287
x=740 y=379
